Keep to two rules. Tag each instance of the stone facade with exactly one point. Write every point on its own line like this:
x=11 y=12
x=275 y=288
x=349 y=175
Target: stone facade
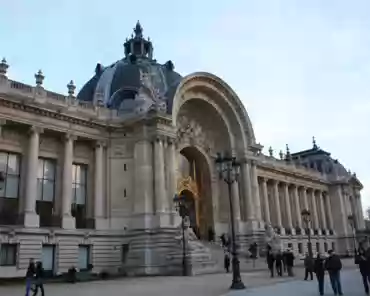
x=115 y=175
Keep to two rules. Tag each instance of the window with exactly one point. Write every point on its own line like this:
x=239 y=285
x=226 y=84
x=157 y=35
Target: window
x=9 y=188
x=46 y=179
x=325 y=247
x=124 y=167
x=10 y=167
x=124 y=252
x=8 y=254
x=83 y=257
x=318 y=247
x=333 y=246
x=79 y=196
x=79 y=176
x=300 y=248
x=124 y=193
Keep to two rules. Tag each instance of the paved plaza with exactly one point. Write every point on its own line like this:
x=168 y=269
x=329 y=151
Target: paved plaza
x=258 y=282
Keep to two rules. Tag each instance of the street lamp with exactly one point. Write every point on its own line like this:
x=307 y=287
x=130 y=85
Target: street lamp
x=181 y=207
x=228 y=170
x=306 y=215
x=351 y=220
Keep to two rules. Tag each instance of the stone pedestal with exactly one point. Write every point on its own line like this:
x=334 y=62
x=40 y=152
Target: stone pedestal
x=100 y=224
x=31 y=219
x=68 y=222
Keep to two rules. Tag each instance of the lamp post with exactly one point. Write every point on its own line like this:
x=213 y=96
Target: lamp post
x=228 y=169
x=351 y=220
x=306 y=216
x=181 y=207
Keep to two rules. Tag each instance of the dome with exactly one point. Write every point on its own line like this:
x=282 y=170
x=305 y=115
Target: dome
x=135 y=83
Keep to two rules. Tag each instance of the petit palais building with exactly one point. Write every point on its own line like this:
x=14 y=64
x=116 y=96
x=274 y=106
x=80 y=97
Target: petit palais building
x=90 y=178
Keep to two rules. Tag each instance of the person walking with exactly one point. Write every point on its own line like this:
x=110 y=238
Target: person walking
x=289 y=261
x=278 y=263
x=285 y=254
x=29 y=276
x=270 y=262
x=319 y=269
x=333 y=265
x=39 y=279
x=227 y=262
x=364 y=265
x=308 y=267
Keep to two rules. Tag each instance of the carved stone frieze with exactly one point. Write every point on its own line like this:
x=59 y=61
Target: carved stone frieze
x=189 y=130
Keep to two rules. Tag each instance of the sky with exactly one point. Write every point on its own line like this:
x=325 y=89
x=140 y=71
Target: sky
x=301 y=68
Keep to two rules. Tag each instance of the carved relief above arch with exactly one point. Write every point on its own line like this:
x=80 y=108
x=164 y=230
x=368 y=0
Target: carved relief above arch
x=221 y=95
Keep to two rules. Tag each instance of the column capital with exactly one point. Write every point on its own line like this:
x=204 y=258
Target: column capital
x=36 y=129
x=100 y=143
x=275 y=182
x=69 y=136
x=263 y=179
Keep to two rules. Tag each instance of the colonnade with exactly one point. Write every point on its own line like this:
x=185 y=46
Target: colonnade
x=31 y=218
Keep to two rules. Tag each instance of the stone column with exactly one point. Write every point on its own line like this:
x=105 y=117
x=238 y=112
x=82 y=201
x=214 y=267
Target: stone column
x=172 y=171
x=68 y=222
x=236 y=201
x=287 y=206
x=315 y=216
x=322 y=210
x=277 y=203
x=161 y=198
x=144 y=197
x=266 y=200
x=328 y=211
x=31 y=219
x=99 y=205
x=297 y=207
x=305 y=199
x=361 y=221
x=247 y=190
x=255 y=191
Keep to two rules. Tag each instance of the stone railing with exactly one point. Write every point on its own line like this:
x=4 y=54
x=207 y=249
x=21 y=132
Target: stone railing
x=289 y=167
x=37 y=95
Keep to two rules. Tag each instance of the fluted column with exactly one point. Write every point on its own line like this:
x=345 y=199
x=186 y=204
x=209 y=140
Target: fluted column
x=315 y=216
x=305 y=199
x=287 y=206
x=265 y=197
x=322 y=210
x=161 y=200
x=255 y=191
x=329 y=211
x=31 y=219
x=98 y=186
x=297 y=207
x=247 y=190
x=277 y=203
x=68 y=222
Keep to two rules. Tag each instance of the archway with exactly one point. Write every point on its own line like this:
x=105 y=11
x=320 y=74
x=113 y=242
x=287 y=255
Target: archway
x=195 y=184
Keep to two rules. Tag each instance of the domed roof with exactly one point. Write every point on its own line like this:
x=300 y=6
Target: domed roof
x=134 y=83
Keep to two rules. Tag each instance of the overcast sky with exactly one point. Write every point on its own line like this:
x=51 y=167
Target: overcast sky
x=302 y=68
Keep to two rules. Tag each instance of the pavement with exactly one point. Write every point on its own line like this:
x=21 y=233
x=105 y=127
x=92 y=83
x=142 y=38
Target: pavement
x=258 y=283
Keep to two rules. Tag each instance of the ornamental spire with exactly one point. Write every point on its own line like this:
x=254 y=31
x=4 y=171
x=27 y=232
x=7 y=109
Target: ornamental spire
x=138 y=30
x=137 y=46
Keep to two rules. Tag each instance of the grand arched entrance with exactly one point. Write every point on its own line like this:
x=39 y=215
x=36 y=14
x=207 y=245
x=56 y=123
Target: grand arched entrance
x=195 y=185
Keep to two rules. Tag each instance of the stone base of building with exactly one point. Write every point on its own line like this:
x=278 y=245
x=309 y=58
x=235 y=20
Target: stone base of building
x=68 y=222
x=31 y=220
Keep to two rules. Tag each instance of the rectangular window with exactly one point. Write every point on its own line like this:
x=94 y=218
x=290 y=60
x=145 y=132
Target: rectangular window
x=326 y=247
x=46 y=179
x=8 y=254
x=83 y=257
x=333 y=246
x=10 y=168
x=79 y=180
x=318 y=247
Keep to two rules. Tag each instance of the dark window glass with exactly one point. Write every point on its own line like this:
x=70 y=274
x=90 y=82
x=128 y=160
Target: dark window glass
x=8 y=254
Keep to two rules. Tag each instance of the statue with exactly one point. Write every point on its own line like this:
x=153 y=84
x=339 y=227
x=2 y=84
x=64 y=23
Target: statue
x=272 y=239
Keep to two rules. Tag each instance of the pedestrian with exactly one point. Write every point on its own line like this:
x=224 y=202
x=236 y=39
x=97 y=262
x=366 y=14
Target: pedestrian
x=211 y=234
x=39 y=279
x=285 y=253
x=223 y=240
x=278 y=263
x=289 y=261
x=319 y=269
x=227 y=262
x=308 y=267
x=333 y=265
x=270 y=262
x=363 y=264
x=29 y=276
